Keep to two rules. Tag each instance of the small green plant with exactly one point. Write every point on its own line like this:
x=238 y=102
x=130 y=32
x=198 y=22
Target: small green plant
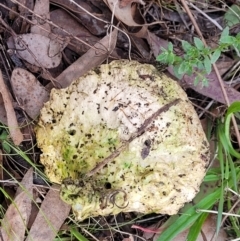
x=4 y=139
x=198 y=59
x=232 y=15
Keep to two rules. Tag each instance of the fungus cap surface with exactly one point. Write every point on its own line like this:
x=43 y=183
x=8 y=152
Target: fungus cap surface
x=81 y=125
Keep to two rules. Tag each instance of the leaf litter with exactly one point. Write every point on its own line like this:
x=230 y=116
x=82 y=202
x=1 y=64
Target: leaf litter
x=50 y=218
x=38 y=50
x=29 y=91
x=45 y=32
x=12 y=123
x=14 y=223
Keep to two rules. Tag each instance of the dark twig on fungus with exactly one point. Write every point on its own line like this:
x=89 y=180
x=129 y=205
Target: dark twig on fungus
x=140 y=131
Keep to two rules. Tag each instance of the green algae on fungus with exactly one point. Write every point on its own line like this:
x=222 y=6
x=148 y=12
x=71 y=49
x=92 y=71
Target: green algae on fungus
x=81 y=125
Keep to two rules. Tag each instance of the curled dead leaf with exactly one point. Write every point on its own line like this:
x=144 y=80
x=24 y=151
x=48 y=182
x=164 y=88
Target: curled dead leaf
x=124 y=3
x=123 y=14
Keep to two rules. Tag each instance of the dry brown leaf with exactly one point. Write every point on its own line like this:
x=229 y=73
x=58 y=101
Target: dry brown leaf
x=27 y=183
x=130 y=238
x=28 y=3
x=1 y=164
x=209 y=228
x=142 y=33
x=38 y=50
x=225 y=64
x=156 y=43
x=29 y=92
x=128 y=15
x=123 y=14
x=41 y=8
x=33 y=215
x=15 y=220
x=20 y=25
x=3 y=114
x=49 y=220
x=213 y=90
x=17 y=215
x=124 y=3
x=91 y=59
x=72 y=26
x=141 y=46
x=93 y=25
x=15 y=132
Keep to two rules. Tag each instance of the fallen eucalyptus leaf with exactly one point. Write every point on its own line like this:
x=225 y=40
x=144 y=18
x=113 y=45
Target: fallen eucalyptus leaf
x=29 y=92
x=65 y=21
x=50 y=218
x=38 y=50
x=14 y=130
x=17 y=215
x=41 y=8
x=125 y=14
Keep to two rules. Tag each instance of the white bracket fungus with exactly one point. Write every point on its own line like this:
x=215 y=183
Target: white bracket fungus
x=124 y=137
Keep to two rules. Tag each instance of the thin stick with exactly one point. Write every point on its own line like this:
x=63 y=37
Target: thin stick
x=140 y=131
x=216 y=212
x=206 y=16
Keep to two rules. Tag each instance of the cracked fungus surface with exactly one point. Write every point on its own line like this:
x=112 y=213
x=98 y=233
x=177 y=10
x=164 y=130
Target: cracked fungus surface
x=81 y=125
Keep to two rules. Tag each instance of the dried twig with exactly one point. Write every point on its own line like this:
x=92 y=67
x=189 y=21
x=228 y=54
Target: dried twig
x=206 y=16
x=140 y=131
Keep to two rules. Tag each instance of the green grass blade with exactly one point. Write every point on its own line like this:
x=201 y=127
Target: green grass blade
x=21 y=153
x=234 y=221
x=221 y=145
x=189 y=217
x=233 y=174
x=234 y=107
x=220 y=210
x=196 y=227
x=78 y=235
